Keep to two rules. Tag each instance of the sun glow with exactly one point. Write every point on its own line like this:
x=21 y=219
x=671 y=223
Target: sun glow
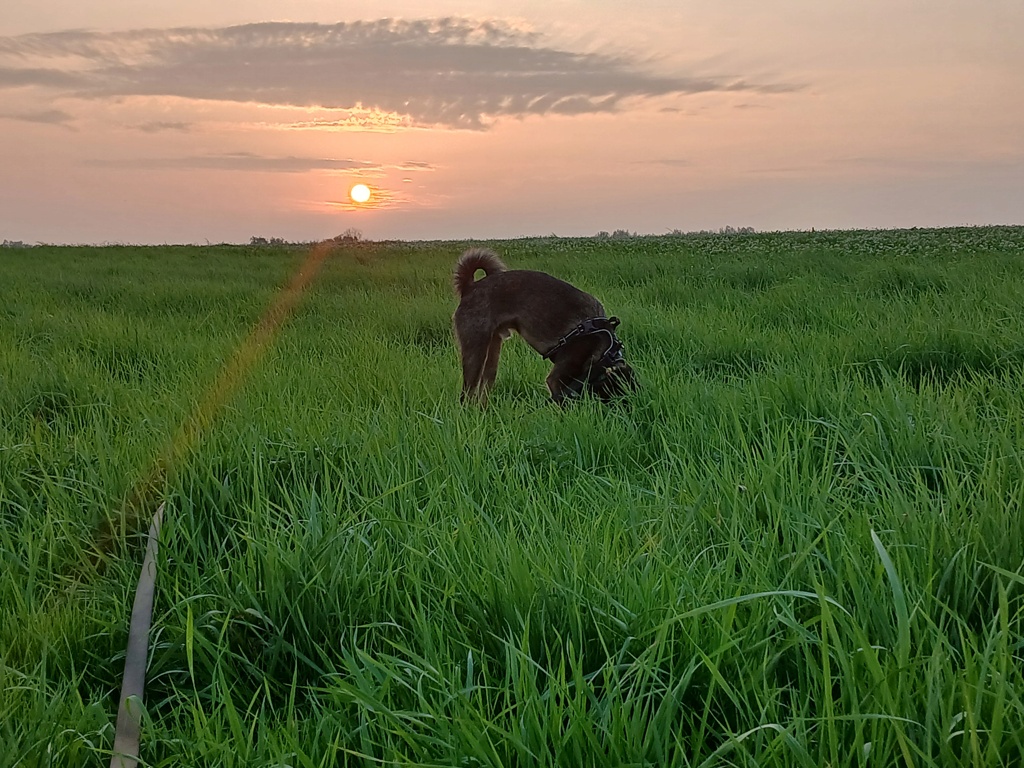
x=360 y=193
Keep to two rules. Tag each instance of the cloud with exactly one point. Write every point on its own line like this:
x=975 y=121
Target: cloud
x=671 y=162
x=160 y=126
x=381 y=199
x=19 y=77
x=357 y=118
x=932 y=166
x=251 y=162
x=450 y=72
x=248 y=161
x=412 y=165
x=45 y=116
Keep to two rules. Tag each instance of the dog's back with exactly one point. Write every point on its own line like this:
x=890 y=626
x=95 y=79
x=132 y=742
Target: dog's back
x=538 y=306
x=469 y=263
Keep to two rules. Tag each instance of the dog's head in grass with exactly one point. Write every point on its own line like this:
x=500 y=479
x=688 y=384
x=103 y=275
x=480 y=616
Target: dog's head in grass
x=613 y=382
x=599 y=352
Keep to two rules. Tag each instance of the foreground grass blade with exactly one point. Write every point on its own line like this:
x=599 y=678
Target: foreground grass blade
x=899 y=602
x=130 y=709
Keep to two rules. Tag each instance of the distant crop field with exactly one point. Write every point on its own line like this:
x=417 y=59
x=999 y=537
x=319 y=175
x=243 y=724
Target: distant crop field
x=801 y=544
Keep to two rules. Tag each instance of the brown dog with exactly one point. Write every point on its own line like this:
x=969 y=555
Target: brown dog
x=561 y=322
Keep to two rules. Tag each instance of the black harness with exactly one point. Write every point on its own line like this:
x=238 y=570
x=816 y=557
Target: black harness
x=591 y=327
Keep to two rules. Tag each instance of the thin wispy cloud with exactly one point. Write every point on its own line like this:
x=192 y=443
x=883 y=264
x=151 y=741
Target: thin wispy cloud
x=999 y=162
x=162 y=126
x=412 y=165
x=251 y=162
x=451 y=72
x=45 y=117
x=670 y=162
x=20 y=77
x=246 y=161
x=371 y=120
x=382 y=199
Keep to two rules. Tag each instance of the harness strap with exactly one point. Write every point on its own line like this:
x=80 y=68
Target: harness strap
x=589 y=327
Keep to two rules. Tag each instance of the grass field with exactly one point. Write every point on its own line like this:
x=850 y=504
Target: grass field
x=801 y=544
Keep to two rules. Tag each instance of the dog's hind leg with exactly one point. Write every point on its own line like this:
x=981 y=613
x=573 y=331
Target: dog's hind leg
x=473 y=348
x=490 y=370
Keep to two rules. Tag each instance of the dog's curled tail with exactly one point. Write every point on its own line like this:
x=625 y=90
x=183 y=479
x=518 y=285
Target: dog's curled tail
x=468 y=264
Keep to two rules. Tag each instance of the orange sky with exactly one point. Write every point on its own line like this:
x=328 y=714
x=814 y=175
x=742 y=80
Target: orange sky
x=126 y=121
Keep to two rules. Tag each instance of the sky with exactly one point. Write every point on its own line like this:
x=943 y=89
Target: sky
x=137 y=121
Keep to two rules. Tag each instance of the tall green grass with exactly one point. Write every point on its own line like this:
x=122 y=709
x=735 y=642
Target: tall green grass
x=800 y=544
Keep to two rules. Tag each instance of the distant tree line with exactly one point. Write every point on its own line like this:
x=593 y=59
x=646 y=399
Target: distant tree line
x=350 y=235
x=625 y=234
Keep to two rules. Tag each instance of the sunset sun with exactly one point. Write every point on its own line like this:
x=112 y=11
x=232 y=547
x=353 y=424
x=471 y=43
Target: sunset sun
x=360 y=193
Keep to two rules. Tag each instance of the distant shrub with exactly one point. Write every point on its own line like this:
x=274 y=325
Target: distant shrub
x=350 y=235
